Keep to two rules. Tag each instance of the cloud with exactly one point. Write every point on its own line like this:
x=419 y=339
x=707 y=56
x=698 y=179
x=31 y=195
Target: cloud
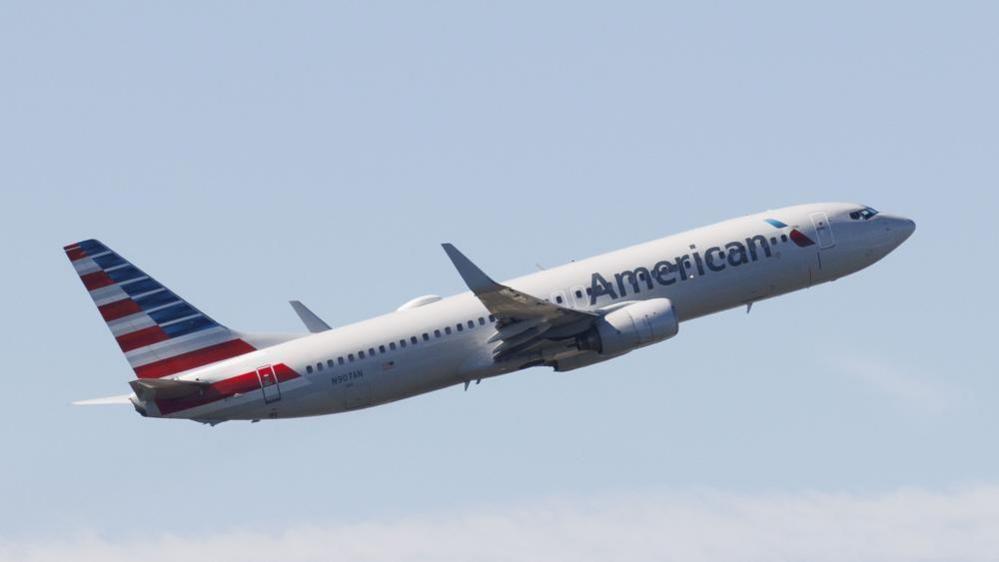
x=904 y=384
x=906 y=525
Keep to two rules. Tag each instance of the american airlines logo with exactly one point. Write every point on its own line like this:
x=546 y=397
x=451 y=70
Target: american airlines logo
x=796 y=235
x=683 y=268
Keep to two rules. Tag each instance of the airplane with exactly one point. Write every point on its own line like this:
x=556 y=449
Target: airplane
x=188 y=366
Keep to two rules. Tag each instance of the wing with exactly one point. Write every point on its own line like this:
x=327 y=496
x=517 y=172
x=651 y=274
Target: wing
x=526 y=324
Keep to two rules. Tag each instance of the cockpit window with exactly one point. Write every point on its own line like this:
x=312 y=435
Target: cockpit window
x=867 y=213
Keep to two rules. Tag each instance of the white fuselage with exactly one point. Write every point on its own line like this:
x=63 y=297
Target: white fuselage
x=700 y=271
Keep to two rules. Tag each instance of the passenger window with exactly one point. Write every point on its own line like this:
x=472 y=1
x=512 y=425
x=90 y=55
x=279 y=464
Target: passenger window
x=426 y=336
x=492 y=318
x=350 y=357
x=783 y=237
x=402 y=343
x=392 y=346
x=330 y=363
x=381 y=348
x=460 y=327
x=437 y=333
x=579 y=294
x=319 y=366
x=773 y=240
x=308 y=369
x=482 y=321
x=471 y=324
x=412 y=340
x=339 y=360
x=360 y=355
x=371 y=352
x=558 y=299
x=447 y=330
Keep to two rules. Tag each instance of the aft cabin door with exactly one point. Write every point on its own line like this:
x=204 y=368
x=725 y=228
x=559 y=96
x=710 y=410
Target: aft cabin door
x=823 y=230
x=269 y=384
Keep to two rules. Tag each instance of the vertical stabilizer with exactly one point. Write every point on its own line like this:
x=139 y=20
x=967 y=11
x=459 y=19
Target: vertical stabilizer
x=160 y=333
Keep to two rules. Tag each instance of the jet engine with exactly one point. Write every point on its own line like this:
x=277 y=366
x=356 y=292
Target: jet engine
x=630 y=327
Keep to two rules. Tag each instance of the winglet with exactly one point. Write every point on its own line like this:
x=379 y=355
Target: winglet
x=314 y=323
x=474 y=277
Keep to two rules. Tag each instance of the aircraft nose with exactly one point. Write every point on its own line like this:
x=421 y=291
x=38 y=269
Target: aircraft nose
x=901 y=228
x=908 y=226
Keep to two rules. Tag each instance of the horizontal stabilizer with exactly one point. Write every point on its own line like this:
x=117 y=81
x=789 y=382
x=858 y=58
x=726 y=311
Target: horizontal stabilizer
x=164 y=389
x=110 y=400
x=314 y=323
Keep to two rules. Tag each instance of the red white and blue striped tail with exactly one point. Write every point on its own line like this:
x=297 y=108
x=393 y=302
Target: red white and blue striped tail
x=160 y=333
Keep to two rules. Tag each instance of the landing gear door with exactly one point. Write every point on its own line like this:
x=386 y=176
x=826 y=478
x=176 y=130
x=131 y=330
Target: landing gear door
x=269 y=384
x=823 y=230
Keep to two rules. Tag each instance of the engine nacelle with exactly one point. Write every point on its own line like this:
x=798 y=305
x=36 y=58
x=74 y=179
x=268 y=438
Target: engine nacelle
x=630 y=327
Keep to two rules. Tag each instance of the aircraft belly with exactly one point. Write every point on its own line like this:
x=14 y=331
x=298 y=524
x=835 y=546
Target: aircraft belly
x=429 y=370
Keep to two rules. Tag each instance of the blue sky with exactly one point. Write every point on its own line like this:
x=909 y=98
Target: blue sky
x=246 y=154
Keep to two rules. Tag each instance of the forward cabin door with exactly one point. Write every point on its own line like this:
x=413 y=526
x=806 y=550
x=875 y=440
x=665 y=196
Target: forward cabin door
x=823 y=231
x=824 y=238
x=269 y=384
